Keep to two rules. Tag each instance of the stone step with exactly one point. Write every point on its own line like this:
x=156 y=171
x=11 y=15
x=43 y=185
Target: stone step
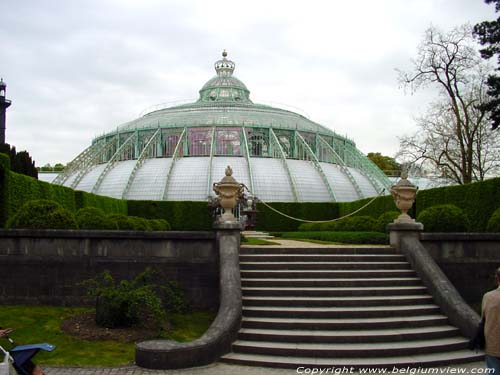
x=332 y=292
x=322 y=257
x=348 y=336
x=330 y=282
x=353 y=364
x=320 y=274
x=324 y=265
x=344 y=350
x=344 y=324
x=339 y=312
x=247 y=249
x=337 y=301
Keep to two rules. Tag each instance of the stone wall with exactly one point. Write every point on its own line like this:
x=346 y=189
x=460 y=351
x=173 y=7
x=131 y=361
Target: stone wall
x=469 y=260
x=47 y=267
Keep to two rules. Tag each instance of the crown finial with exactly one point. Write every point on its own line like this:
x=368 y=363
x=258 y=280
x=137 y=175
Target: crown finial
x=224 y=67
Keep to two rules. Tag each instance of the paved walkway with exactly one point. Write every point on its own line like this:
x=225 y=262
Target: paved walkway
x=293 y=243
x=225 y=369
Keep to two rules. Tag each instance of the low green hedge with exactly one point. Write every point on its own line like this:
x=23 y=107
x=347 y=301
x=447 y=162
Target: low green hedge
x=384 y=219
x=494 y=222
x=373 y=238
x=443 y=218
x=181 y=215
x=42 y=214
x=93 y=218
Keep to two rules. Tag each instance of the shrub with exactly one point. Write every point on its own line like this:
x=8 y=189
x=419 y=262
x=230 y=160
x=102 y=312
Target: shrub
x=123 y=222
x=355 y=224
x=139 y=223
x=443 y=218
x=494 y=222
x=42 y=214
x=126 y=303
x=159 y=224
x=342 y=237
x=94 y=218
x=384 y=219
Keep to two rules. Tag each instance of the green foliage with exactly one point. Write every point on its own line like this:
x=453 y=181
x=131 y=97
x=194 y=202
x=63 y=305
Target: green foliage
x=123 y=222
x=159 y=224
x=127 y=303
x=494 y=222
x=384 y=219
x=187 y=215
x=271 y=221
x=355 y=224
x=107 y=204
x=385 y=163
x=4 y=188
x=372 y=238
x=42 y=214
x=478 y=200
x=139 y=223
x=443 y=218
x=20 y=162
x=95 y=219
x=378 y=207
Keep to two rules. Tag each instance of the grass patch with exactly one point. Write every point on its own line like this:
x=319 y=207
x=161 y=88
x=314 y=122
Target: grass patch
x=256 y=241
x=34 y=324
x=360 y=238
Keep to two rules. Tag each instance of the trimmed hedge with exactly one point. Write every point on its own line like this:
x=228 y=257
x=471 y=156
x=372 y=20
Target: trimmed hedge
x=42 y=214
x=181 y=215
x=494 y=222
x=478 y=200
x=271 y=221
x=384 y=219
x=4 y=188
x=443 y=218
x=94 y=219
x=107 y=204
x=379 y=206
x=372 y=238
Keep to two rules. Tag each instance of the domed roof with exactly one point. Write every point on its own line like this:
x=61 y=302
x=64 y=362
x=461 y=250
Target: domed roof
x=224 y=101
x=224 y=86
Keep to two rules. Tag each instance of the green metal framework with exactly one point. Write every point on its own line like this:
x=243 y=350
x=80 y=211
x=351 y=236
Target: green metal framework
x=146 y=153
x=277 y=150
x=247 y=156
x=180 y=143
x=317 y=165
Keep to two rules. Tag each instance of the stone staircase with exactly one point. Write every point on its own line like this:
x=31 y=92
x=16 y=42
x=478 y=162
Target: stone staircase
x=355 y=307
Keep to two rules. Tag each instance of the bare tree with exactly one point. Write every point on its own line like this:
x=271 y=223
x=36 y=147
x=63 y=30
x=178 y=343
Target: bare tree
x=454 y=136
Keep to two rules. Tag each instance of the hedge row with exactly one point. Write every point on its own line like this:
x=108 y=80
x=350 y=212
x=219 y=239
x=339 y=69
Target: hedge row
x=478 y=200
x=182 y=215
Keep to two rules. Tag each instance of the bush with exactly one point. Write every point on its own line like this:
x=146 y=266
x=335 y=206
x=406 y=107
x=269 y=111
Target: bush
x=443 y=218
x=159 y=224
x=384 y=219
x=354 y=224
x=494 y=222
x=122 y=222
x=127 y=303
x=42 y=214
x=94 y=218
x=139 y=223
x=341 y=237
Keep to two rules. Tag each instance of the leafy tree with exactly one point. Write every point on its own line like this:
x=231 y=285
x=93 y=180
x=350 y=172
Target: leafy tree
x=454 y=138
x=387 y=164
x=488 y=34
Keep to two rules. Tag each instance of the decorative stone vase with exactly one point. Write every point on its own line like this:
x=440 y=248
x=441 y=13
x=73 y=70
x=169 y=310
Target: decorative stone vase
x=228 y=191
x=404 y=193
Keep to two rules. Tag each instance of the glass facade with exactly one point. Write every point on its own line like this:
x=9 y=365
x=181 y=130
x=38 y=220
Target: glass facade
x=176 y=153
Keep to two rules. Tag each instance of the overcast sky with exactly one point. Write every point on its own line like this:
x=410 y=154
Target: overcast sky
x=77 y=69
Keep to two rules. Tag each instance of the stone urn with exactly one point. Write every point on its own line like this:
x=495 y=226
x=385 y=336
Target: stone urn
x=228 y=191
x=404 y=193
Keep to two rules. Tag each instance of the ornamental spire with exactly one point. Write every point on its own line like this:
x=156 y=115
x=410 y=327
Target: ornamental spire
x=224 y=67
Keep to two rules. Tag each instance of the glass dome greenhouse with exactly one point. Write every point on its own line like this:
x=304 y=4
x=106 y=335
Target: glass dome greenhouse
x=176 y=153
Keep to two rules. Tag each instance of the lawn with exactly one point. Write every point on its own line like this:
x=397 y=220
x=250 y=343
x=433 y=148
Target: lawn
x=34 y=324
